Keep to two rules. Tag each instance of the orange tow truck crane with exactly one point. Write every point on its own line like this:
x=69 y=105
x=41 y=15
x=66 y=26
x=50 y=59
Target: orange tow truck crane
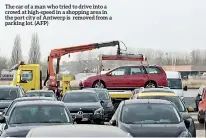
x=34 y=80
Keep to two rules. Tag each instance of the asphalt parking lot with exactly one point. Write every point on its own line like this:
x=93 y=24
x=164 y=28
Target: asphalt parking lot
x=199 y=127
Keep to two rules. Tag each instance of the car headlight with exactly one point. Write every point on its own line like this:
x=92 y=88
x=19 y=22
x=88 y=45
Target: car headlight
x=99 y=111
x=185 y=134
x=109 y=105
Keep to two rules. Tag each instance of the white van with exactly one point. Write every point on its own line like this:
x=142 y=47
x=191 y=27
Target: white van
x=175 y=82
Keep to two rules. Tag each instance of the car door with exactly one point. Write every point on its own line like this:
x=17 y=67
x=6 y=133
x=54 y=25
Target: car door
x=118 y=78
x=138 y=77
x=26 y=80
x=156 y=74
x=202 y=105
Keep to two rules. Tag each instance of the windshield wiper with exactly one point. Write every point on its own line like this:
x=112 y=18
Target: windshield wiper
x=50 y=122
x=18 y=123
x=4 y=98
x=143 y=122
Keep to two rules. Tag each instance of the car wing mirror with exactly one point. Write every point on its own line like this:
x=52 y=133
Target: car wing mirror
x=113 y=122
x=185 y=88
x=101 y=102
x=5 y=110
x=187 y=123
x=2 y=119
x=109 y=74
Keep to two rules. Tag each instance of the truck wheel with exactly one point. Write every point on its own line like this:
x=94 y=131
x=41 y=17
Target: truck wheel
x=98 y=84
x=150 y=85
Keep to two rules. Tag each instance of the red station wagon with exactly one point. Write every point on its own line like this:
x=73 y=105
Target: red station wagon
x=128 y=77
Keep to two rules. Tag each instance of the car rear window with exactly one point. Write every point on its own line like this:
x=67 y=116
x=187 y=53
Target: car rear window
x=8 y=93
x=43 y=94
x=174 y=99
x=80 y=97
x=153 y=70
x=39 y=114
x=147 y=113
x=16 y=101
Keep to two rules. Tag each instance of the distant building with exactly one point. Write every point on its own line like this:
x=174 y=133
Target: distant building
x=7 y=75
x=186 y=70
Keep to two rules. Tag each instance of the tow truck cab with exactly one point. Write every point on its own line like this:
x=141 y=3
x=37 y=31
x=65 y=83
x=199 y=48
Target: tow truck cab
x=28 y=76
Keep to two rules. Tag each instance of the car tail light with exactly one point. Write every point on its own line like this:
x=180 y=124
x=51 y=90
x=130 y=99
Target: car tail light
x=80 y=83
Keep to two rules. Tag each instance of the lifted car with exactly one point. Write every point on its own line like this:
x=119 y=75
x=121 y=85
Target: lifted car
x=128 y=77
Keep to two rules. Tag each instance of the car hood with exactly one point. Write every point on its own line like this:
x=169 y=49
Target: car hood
x=4 y=103
x=154 y=130
x=178 y=92
x=90 y=105
x=22 y=130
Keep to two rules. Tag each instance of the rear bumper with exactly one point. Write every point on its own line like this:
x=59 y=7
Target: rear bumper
x=84 y=84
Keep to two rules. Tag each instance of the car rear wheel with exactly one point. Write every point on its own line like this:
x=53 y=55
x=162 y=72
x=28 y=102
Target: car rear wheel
x=98 y=84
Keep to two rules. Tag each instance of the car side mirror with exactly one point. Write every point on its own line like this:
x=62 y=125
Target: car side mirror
x=187 y=123
x=185 y=88
x=109 y=74
x=190 y=109
x=5 y=110
x=101 y=102
x=113 y=122
x=2 y=119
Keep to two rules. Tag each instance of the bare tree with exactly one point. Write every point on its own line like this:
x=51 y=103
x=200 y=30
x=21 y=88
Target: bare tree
x=204 y=57
x=3 y=63
x=34 y=53
x=159 y=57
x=195 y=57
x=16 y=55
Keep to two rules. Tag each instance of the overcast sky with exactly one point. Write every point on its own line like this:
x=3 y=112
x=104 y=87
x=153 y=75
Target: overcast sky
x=158 y=24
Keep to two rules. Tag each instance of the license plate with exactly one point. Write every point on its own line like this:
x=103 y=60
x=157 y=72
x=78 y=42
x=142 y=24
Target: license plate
x=85 y=119
x=79 y=116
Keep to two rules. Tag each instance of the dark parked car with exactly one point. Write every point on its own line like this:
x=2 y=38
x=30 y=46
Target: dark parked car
x=77 y=131
x=24 y=99
x=42 y=93
x=150 y=118
x=27 y=115
x=107 y=105
x=8 y=94
x=84 y=105
x=176 y=100
x=198 y=97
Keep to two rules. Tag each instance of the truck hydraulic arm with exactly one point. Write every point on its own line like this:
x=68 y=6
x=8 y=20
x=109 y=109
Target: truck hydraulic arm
x=58 y=53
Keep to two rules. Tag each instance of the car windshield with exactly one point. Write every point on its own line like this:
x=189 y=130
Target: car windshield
x=16 y=101
x=39 y=114
x=174 y=99
x=147 y=113
x=80 y=97
x=175 y=83
x=8 y=93
x=43 y=94
x=103 y=95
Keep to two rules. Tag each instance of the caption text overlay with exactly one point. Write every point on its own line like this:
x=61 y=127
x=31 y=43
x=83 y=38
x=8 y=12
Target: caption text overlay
x=37 y=15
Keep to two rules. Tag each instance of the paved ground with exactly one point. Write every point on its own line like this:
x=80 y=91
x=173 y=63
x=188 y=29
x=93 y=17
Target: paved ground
x=199 y=127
